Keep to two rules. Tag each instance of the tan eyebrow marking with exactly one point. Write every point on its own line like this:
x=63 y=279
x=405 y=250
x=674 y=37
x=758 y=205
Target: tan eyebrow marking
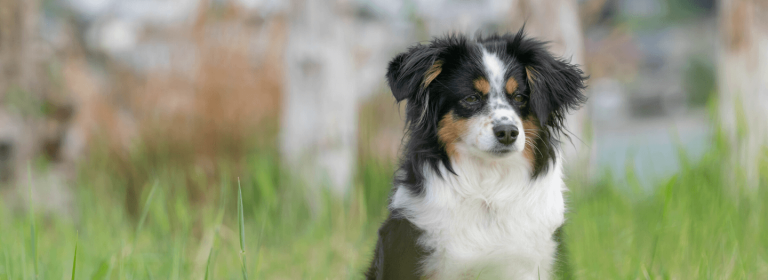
x=529 y=74
x=432 y=72
x=482 y=85
x=511 y=85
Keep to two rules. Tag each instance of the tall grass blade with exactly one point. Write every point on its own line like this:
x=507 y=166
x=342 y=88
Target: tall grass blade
x=177 y=251
x=121 y=261
x=241 y=222
x=23 y=263
x=101 y=271
x=149 y=273
x=219 y=221
x=32 y=232
x=667 y=198
x=7 y=267
x=208 y=264
x=258 y=243
x=110 y=268
x=222 y=207
x=74 y=260
x=240 y=218
x=144 y=212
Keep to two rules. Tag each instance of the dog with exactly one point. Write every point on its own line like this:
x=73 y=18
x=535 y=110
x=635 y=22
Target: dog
x=479 y=190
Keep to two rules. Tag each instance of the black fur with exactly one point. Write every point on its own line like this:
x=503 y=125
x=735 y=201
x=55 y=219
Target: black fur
x=397 y=254
x=554 y=88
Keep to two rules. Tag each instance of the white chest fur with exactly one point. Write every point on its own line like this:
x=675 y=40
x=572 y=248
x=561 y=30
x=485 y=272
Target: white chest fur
x=492 y=221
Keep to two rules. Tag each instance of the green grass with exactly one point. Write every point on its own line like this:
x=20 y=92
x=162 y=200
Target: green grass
x=196 y=224
x=697 y=225
x=241 y=226
x=32 y=231
x=74 y=260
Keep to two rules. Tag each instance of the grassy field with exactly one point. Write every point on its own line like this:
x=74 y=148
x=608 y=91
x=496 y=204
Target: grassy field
x=151 y=217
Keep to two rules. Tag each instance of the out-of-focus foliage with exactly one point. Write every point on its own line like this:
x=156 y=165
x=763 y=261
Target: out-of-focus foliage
x=695 y=225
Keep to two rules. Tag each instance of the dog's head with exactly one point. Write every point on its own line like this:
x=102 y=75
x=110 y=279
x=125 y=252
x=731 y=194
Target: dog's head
x=492 y=98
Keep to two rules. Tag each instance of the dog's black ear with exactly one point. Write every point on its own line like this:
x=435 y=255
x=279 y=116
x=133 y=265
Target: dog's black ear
x=556 y=87
x=411 y=72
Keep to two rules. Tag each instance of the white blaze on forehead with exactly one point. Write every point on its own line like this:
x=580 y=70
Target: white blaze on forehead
x=495 y=71
x=500 y=109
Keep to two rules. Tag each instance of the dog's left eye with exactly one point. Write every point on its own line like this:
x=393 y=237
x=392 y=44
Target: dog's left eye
x=519 y=98
x=472 y=99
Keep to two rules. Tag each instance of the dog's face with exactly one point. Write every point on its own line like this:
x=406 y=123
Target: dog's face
x=485 y=103
x=493 y=98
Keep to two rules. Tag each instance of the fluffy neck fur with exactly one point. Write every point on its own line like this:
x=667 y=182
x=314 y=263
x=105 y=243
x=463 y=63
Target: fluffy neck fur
x=490 y=219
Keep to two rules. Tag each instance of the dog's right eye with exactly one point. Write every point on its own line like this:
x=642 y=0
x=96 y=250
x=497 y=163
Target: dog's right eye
x=472 y=99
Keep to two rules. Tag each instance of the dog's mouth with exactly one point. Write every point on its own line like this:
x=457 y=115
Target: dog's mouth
x=501 y=151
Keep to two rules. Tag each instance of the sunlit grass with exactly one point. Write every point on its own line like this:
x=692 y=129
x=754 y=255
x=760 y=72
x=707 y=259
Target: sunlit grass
x=32 y=230
x=241 y=226
x=695 y=225
x=74 y=259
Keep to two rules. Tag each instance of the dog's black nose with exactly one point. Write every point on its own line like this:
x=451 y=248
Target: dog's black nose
x=506 y=133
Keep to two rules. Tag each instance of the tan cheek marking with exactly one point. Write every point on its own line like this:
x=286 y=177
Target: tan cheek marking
x=531 y=128
x=450 y=131
x=482 y=85
x=511 y=86
x=432 y=72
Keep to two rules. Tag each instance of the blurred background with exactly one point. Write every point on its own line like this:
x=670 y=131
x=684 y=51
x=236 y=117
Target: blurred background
x=127 y=126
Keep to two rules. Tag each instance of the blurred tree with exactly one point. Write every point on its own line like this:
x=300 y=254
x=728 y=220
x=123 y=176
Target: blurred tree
x=17 y=30
x=557 y=21
x=743 y=68
x=19 y=90
x=34 y=113
x=335 y=57
x=319 y=116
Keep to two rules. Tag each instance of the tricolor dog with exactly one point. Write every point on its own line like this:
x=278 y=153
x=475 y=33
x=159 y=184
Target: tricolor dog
x=479 y=190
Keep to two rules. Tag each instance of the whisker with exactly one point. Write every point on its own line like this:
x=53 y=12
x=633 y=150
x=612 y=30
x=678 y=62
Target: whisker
x=535 y=149
x=535 y=133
